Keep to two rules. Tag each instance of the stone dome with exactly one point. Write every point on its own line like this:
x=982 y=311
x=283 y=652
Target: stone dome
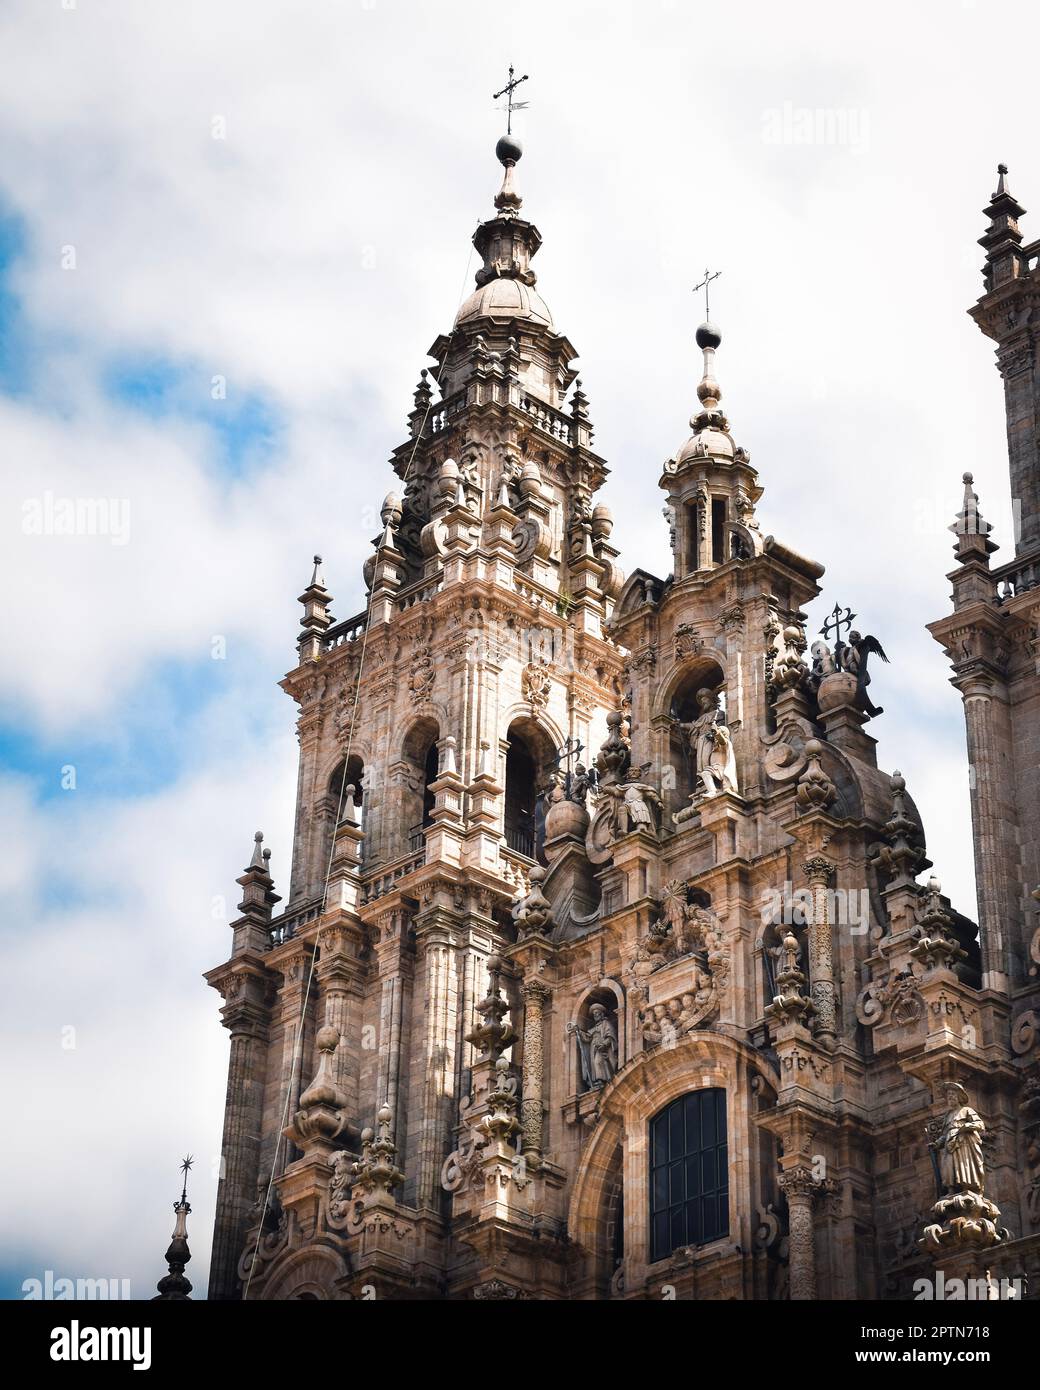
x=705 y=443
x=505 y=298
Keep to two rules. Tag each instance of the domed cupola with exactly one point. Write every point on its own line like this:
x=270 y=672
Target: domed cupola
x=505 y=282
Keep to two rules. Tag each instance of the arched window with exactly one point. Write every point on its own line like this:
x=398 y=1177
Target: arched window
x=430 y=772
x=529 y=762
x=689 y=1173
x=351 y=773
x=421 y=762
x=333 y=807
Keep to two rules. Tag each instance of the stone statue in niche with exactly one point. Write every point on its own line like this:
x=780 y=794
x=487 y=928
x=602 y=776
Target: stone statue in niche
x=710 y=743
x=597 y=1047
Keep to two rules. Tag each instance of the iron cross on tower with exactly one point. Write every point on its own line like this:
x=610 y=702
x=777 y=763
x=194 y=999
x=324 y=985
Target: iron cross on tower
x=507 y=92
x=705 y=285
x=567 y=753
x=836 y=620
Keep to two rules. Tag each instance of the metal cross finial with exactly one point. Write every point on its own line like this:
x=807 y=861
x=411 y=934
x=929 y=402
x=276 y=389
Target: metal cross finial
x=507 y=92
x=836 y=620
x=705 y=285
x=565 y=754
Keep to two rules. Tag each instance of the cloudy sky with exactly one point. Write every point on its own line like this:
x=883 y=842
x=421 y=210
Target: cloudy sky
x=278 y=198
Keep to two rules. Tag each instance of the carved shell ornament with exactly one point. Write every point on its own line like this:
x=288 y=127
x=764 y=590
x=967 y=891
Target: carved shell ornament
x=526 y=535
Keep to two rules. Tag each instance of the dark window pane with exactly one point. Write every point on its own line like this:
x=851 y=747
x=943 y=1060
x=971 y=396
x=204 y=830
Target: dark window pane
x=677 y=1232
x=708 y=1136
x=694 y=1223
x=659 y=1187
x=693 y=1176
x=676 y=1143
x=676 y=1184
x=660 y=1236
x=659 y=1139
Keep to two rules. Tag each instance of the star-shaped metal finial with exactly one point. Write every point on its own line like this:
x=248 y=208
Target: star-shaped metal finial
x=187 y=1163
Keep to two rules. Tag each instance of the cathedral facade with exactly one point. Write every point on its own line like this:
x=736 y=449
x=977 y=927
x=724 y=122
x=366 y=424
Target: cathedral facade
x=610 y=967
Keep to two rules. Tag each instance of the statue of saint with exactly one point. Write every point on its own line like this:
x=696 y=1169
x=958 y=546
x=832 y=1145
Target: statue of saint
x=597 y=1047
x=959 y=1146
x=711 y=744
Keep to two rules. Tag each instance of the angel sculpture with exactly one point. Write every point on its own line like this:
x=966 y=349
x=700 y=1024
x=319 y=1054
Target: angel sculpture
x=852 y=658
x=822 y=662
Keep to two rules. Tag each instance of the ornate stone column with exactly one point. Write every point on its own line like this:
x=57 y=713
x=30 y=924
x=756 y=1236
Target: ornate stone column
x=536 y=995
x=818 y=870
x=800 y=1188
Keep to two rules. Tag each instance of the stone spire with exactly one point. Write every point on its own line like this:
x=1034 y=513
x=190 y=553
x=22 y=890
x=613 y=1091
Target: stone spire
x=175 y=1287
x=316 y=616
x=1007 y=313
x=252 y=929
x=971 y=530
x=1002 y=238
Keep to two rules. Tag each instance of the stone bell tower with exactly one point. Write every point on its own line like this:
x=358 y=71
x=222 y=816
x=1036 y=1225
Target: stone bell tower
x=676 y=1020
x=429 y=725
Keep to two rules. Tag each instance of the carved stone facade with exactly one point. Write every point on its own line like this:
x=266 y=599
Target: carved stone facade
x=516 y=979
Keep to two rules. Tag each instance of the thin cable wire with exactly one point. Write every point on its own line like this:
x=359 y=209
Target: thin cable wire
x=298 y=1044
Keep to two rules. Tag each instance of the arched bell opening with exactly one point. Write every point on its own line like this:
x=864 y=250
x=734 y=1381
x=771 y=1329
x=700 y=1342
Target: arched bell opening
x=336 y=805
x=530 y=760
x=348 y=774
x=420 y=756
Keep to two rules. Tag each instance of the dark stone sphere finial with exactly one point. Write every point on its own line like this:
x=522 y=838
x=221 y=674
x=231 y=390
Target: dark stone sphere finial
x=508 y=150
x=708 y=336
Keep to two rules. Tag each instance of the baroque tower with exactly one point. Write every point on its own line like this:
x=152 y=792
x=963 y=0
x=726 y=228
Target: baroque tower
x=544 y=1022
